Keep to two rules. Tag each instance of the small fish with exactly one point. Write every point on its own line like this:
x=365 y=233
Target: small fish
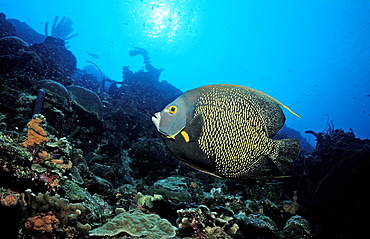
x=93 y=55
x=226 y=130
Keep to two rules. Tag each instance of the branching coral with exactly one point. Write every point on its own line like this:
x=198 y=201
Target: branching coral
x=42 y=207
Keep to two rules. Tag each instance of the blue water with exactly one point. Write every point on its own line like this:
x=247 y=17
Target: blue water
x=314 y=56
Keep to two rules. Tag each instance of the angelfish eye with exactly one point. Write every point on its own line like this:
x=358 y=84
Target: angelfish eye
x=172 y=109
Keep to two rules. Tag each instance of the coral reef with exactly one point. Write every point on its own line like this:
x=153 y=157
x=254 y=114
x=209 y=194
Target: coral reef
x=202 y=223
x=66 y=177
x=291 y=206
x=136 y=224
x=42 y=162
x=145 y=150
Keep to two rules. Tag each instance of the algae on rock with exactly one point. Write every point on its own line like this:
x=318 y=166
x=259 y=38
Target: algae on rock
x=73 y=191
x=147 y=200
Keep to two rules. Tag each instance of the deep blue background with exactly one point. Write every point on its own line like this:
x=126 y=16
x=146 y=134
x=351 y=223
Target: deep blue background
x=314 y=56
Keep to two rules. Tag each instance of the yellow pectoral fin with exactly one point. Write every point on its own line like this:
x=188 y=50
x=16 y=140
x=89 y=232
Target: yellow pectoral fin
x=185 y=135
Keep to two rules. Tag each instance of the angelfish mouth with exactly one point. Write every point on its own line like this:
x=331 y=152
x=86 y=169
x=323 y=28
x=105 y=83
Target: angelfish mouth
x=156 y=120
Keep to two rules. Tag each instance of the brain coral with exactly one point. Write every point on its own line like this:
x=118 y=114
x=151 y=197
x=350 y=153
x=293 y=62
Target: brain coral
x=137 y=224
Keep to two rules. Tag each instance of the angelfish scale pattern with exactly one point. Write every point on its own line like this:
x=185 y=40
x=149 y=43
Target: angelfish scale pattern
x=234 y=131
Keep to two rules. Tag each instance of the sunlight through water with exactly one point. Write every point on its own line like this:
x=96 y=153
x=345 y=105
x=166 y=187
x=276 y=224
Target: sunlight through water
x=164 y=19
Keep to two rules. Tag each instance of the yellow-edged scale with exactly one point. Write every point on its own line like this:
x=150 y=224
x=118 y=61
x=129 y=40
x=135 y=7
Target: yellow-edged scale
x=226 y=131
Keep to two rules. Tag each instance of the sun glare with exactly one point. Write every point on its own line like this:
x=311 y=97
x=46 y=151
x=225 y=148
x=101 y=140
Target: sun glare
x=161 y=18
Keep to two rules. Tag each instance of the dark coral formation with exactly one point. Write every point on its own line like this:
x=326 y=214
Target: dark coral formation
x=332 y=182
x=71 y=168
x=58 y=62
x=25 y=32
x=6 y=27
x=22 y=51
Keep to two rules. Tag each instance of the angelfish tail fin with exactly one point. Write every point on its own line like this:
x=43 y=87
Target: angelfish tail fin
x=286 y=151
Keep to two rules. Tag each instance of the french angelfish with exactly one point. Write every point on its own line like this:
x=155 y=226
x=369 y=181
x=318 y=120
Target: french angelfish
x=226 y=130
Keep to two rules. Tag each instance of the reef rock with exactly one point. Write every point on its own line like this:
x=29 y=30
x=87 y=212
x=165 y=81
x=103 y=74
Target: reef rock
x=24 y=31
x=15 y=56
x=297 y=227
x=6 y=27
x=258 y=225
x=11 y=45
x=148 y=150
x=174 y=188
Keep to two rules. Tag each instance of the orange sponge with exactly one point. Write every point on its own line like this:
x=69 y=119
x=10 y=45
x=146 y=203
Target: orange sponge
x=36 y=134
